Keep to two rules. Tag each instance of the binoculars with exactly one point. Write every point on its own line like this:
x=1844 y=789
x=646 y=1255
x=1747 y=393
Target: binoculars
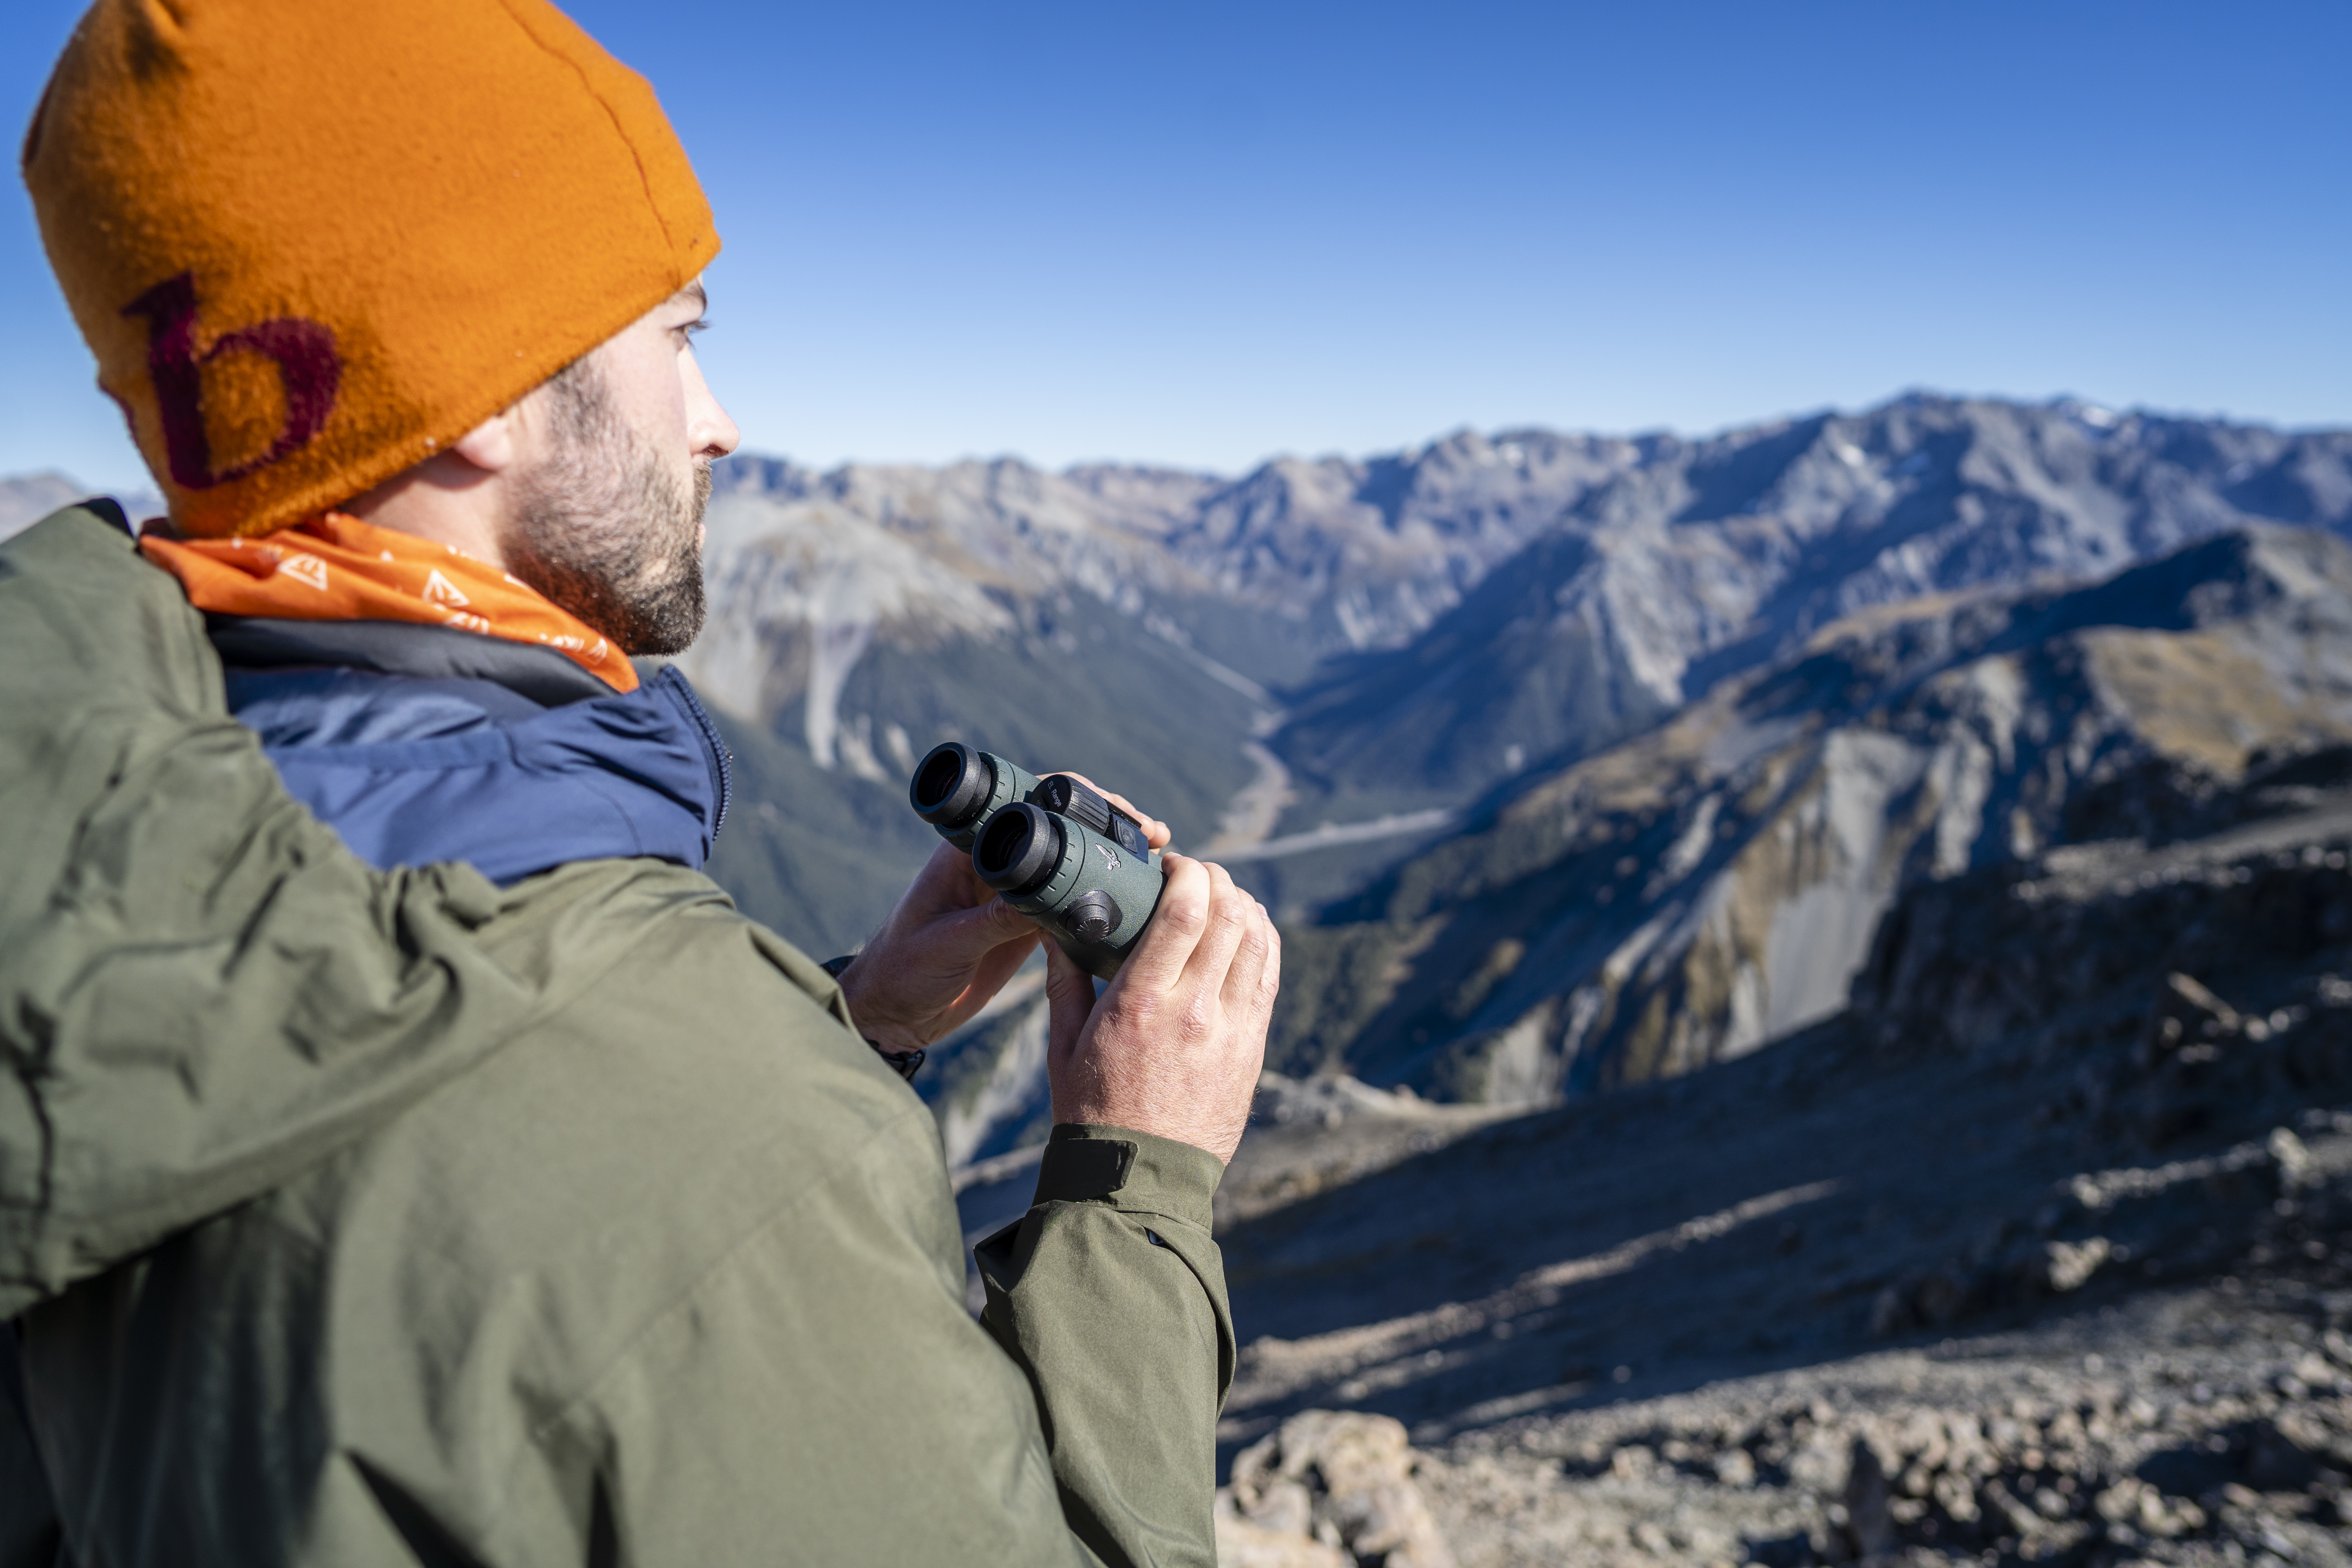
x=1055 y=850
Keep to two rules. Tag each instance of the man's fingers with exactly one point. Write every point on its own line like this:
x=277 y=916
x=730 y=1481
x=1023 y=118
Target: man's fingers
x=1257 y=965
x=1069 y=1000
x=1161 y=953
x=1155 y=832
x=996 y=966
x=1004 y=919
x=1269 y=985
x=1229 y=913
x=945 y=884
x=945 y=868
x=1066 y=982
x=972 y=933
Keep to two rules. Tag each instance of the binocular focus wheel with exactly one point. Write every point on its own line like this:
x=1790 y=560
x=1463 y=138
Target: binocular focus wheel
x=1093 y=917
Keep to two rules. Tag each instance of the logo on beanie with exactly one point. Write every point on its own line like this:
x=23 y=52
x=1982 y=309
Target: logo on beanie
x=308 y=369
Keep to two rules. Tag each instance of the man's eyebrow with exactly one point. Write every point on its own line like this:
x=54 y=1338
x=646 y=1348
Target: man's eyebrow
x=695 y=294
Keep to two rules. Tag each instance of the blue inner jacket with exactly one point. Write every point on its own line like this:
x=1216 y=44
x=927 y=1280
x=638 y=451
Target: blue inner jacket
x=416 y=750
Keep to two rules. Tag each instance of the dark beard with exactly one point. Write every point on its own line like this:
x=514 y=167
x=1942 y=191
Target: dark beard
x=604 y=529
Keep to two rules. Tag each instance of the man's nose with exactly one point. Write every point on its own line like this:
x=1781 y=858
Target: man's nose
x=712 y=433
x=719 y=437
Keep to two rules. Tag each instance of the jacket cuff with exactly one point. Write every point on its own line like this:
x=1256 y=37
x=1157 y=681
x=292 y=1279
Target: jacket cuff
x=1137 y=1172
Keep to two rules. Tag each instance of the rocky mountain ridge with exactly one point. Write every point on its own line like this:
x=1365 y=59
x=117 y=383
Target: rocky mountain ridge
x=1686 y=896
x=1358 y=649
x=26 y=499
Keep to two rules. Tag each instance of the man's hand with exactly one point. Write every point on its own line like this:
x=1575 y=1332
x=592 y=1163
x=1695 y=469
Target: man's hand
x=947 y=949
x=1174 y=1045
x=949 y=945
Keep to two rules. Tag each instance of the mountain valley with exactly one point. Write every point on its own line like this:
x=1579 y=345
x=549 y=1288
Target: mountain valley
x=1343 y=657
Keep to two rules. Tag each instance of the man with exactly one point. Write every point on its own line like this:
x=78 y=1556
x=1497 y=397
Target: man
x=404 y=1216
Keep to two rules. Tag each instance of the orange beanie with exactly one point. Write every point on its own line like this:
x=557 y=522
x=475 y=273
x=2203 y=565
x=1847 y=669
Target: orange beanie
x=310 y=244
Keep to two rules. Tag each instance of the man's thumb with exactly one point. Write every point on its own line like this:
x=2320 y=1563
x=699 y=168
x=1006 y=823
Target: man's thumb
x=1012 y=922
x=985 y=926
x=1069 y=995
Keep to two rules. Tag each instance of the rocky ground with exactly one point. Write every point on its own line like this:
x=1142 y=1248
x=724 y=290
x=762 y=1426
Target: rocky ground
x=2201 y=1424
x=2042 y=1252
x=2076 y=1413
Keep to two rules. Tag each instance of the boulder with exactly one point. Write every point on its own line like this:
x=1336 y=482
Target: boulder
x=1869 y=1522
x=1241 y=1544
x=1332 y=1488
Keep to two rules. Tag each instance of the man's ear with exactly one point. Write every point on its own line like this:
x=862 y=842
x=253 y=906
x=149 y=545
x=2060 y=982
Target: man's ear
x=489 y=445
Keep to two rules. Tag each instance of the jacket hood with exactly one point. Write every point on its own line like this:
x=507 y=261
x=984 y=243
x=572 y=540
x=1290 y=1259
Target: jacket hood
x=413 y=770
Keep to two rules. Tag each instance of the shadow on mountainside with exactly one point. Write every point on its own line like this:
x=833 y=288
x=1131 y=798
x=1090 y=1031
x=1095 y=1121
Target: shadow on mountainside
x=1685 y=1232
x=2032 y=1109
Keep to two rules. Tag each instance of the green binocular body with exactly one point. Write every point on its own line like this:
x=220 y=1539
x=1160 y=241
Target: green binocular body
x=1055 y=850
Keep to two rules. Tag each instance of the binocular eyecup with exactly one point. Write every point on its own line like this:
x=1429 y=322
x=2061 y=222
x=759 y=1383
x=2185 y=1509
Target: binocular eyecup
x=1019 y=848
x=955 y=787
x=951 y=785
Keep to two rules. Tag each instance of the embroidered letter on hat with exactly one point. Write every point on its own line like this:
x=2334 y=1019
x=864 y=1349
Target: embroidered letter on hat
x=307 y=367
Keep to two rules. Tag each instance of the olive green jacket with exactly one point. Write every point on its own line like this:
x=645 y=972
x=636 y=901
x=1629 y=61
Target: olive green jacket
x=362 y=1217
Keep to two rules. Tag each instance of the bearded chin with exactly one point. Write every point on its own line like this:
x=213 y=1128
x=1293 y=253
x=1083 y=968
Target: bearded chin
x=606 y=530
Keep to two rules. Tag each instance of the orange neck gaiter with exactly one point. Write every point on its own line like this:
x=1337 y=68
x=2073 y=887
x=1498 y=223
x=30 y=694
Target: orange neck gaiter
x=337 y=568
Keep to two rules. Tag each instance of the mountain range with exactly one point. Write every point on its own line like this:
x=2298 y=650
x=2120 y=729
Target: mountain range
x=1360 y=681
x=1568 y=761
x=26 y=499
x=1319 y=665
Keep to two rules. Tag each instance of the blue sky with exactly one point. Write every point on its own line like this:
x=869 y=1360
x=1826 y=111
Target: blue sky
x=1201 y=235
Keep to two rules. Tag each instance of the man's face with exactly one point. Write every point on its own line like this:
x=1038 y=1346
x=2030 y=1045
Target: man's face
x=606 y=516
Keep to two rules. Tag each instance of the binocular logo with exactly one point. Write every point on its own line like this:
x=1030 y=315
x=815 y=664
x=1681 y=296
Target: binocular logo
x=308 y=369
